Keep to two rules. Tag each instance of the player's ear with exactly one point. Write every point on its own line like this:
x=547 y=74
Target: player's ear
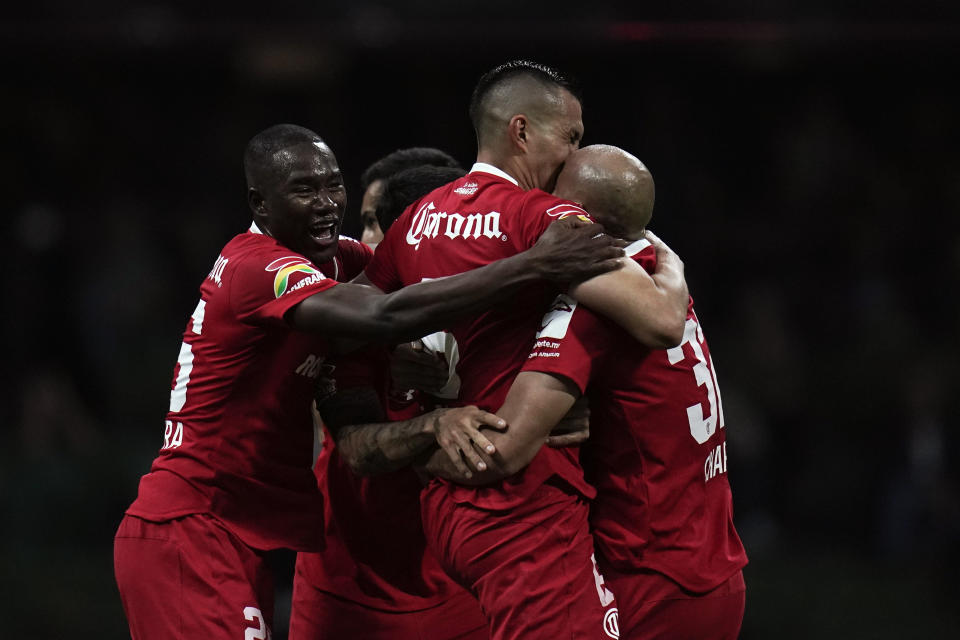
x=518 y=128
x=256 y=202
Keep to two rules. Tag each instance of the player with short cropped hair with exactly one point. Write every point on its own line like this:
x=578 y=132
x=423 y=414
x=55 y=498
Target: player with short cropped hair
x=409 y=185
x=233 y=478
x=662 y=518
x=373 y=180
x=521 y=546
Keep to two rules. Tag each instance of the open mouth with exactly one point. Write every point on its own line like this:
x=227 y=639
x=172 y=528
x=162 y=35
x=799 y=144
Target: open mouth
x=323 y=231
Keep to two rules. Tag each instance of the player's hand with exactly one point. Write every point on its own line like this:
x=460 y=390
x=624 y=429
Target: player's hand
x=574 y=428
x=573 y=249
x=413 y=367
x=458 y=434
x=664 y=252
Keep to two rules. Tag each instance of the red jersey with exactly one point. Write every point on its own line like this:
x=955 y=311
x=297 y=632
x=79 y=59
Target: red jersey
x=374 y=550
x=468 y=223
x=657 y=450
x=238 y=441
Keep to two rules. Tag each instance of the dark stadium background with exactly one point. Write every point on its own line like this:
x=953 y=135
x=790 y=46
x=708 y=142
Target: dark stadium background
x=807 y=169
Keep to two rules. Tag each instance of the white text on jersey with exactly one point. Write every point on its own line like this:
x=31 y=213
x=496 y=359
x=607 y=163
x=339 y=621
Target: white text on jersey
x=310 y=367
x=427 y=222
x=217 y=272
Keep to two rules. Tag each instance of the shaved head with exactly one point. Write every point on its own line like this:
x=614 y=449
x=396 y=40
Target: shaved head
x=264 y=161
x=612 y=185
x=516 y=87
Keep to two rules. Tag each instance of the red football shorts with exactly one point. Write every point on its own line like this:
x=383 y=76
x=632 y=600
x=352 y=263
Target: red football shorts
x=531 y=567
x=318 y=615
x=191 y=578
x=653 y=607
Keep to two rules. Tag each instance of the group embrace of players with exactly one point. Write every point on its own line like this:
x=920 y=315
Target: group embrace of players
x=469 y=503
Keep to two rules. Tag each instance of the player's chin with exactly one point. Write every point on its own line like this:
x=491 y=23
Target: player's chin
x=323 y=249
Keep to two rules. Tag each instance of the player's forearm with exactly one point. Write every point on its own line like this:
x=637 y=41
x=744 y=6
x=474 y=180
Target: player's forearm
x=673 y=287
x=652 y=309
x=535 y=404
x=363 y=313
x=660 y=324
x=375 y=448
x=367 y=443
x=431 y=306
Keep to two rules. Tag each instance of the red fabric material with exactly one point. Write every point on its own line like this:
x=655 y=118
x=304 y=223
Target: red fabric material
x=466 y=224
x=240 y=402
x=654 y=607
x=190 y=578
x=657 y=448
x=531 y=568
x=318 y=614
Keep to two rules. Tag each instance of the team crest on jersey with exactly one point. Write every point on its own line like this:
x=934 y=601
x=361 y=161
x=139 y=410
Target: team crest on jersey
x=287 y=267
x=466 y=189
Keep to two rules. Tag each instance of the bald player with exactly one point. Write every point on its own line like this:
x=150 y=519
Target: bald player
x=662 y=518
x=521 y=545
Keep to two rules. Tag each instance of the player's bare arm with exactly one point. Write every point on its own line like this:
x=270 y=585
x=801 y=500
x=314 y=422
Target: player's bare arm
x=574 y=428
x=371 y=446
x=567 y=251
x=651 y=308
x=535 y=404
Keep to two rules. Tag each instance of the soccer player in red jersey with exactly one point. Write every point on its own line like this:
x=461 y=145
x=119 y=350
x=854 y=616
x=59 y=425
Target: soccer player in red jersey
x=375 y=577
x=662 y=518
x=233 y=478
x=522 y=546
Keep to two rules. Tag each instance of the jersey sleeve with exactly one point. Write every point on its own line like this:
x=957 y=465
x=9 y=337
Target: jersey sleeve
x=568 y=342
x=382 y=268
x=540 y=210
x=267 y=285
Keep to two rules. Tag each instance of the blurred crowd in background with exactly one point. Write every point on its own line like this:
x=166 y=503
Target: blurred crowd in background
x=807 y=172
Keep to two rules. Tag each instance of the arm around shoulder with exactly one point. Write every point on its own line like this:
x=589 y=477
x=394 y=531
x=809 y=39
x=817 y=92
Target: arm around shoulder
x=651 y=308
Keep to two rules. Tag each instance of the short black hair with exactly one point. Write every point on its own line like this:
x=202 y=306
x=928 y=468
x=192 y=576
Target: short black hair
x=488 y=81
x=258 y=159
x=405 y=159
x=406 y=187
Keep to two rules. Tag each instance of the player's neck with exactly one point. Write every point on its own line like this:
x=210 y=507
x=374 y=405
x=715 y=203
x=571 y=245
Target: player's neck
x=510 y=165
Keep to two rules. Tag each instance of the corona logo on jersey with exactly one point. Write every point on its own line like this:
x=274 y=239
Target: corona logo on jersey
x=430 y=223
x=288 y=266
